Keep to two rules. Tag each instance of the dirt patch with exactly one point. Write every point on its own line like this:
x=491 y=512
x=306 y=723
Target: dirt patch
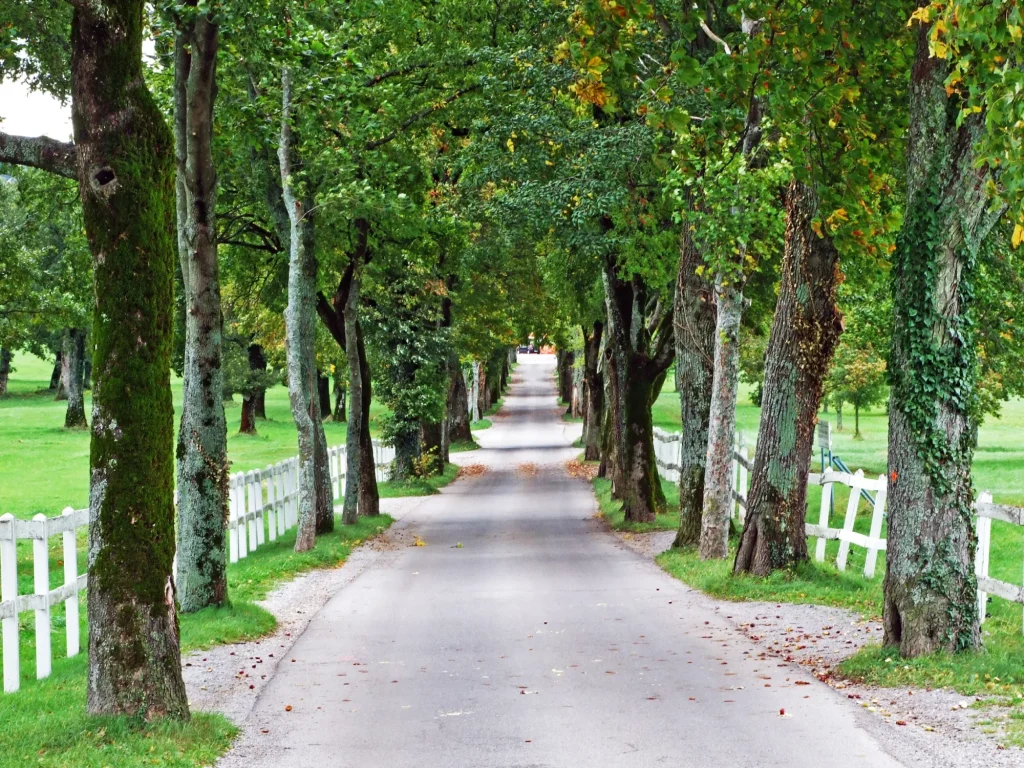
x=581 y=469
x=471 y=470
x=527 y=470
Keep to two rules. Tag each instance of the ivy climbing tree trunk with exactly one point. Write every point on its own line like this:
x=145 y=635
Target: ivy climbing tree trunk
x=930 y=587
x=694 y=318
x=299 y=327
x=202 y=434
x=125 y=160
x=594 y=391
x=805 y=331
x=74 y=355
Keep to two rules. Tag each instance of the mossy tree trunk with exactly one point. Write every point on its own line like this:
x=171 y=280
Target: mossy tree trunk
x=714 y=532
x=930 y=586
x=640 y=337
x=593 y=385
x=694 y=320
x=300 y=332
x=805 y=331
x=126 y=180
x=202 y=434
x=74 y=355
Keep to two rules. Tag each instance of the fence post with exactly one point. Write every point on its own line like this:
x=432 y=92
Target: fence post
x=981 y=555
x=877 y=514
x=282 y=498
x=823 y=521
x=238 y=496
x=9 y=594
x=71 y=579
x=272 y=523
x=851 y=518
x=41 y=571
x=254 y=490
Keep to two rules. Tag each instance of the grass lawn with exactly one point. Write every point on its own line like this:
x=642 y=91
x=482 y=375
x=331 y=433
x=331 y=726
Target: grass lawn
x=44 y=468
x=45 y=723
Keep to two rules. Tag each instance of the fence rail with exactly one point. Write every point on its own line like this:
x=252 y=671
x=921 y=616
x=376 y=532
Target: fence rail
x=667 y=451
x=262 y=505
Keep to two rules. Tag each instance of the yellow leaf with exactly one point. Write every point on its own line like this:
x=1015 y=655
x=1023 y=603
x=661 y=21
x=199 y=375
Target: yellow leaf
x=1018 y=235
x=923 y=15
x=511 y=145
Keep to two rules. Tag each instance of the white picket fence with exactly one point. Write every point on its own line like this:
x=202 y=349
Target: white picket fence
x=667 y=450
x=263 y=505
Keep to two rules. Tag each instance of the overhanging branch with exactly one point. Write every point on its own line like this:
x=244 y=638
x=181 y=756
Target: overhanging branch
x=40 y=152
x=416 y=117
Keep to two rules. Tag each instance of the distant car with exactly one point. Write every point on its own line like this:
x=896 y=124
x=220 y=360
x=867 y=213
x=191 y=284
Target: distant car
x=532 y=350
x=523 y=349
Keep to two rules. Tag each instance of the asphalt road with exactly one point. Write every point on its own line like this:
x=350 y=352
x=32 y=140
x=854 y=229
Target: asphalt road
x=540 y=641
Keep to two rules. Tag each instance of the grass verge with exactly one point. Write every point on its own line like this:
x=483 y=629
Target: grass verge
x=45 y=723
x=461 y=446
x=611 y=509
x=418 y=486
x=480 y=424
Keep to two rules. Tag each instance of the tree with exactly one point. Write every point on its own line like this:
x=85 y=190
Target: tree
x=202 y=435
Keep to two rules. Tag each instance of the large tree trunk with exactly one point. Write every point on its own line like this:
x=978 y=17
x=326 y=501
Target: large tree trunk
x=65 y=369
x=56 y=374
x=202 y=434
x=5 y=369
x=631 y=338
x=714 y=533
x=593 y=391
x=74 y=354
x=804 y=335
x=565 y=362
x=258 y=364
x=324 y=393
x=247 y=426
x=458 y=406
x=694 y=317
x=340 y=398
x=353 y=438
x=930 y=586
x=126 y=181
x=369 y=496
x=300 y=330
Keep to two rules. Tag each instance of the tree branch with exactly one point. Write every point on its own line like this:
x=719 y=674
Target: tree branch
x=40 y=152
x=416 y=117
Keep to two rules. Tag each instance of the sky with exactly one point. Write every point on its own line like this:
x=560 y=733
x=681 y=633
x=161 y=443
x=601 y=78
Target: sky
x=28 y=113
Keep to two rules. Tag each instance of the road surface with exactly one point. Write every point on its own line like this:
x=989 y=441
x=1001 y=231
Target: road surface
x=523 y=634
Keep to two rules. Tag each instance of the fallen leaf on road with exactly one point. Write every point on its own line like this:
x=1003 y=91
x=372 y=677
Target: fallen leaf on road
x=287 y=707
x=471 y=470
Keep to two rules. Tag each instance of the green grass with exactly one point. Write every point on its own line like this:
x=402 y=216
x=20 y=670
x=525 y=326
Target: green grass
x=45 y=723
x=611 y=510
x=461 y=446
x=44 y=468
x=418 y=486
x=476 y=426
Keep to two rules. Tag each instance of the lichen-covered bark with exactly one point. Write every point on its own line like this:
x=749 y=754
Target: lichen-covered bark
x=126 y=180
x=714 y=532
x=202 y=434
x=694 y=318
x=805 y=331
x=593 y=385
x=930 y=586
x=300 y=330
x=74 y=357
